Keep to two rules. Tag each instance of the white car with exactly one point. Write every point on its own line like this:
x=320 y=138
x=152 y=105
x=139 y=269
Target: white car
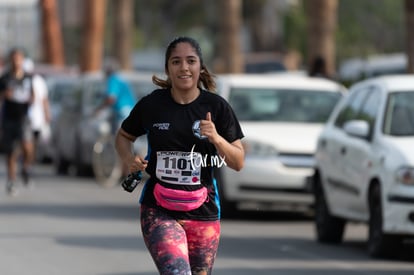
x=365 y=165
x=281 y=116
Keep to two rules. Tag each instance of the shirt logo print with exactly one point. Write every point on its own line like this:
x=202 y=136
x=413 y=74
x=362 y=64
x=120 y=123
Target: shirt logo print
x=197 y=130
x=162 y=126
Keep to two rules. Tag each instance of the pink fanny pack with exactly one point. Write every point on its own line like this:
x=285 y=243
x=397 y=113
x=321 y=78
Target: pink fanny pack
x=179 y=200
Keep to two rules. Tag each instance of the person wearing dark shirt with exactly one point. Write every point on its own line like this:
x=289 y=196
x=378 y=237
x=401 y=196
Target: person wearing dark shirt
x=190 y=132
x=17 y=94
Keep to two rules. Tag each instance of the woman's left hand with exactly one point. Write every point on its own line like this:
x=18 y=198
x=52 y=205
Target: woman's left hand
x=208 y=129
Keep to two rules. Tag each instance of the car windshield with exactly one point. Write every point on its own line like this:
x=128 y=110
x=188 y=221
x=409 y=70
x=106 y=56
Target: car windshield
x=95 y=94
x=283 y=105
x=142 y=88
x=399 y=117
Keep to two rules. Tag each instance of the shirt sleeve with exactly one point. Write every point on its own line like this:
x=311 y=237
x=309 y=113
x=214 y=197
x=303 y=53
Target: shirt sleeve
x=133 y=124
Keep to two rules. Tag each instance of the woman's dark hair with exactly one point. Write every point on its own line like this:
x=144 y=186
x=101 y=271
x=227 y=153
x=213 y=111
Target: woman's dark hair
x=206 y=79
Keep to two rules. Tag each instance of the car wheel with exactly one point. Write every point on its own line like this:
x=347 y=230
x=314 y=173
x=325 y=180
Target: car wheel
x=329 y=229
x=380 y=245
x=82 y=169
x=61 y=165
x=228 y=208
x=107 y=167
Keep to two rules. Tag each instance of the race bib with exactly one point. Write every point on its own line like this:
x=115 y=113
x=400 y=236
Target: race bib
x=177 y=167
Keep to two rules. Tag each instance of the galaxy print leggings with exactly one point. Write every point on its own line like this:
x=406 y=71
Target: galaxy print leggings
x=180 y=247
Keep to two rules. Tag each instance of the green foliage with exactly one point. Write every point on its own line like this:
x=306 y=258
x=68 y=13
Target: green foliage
x=367 y=27
x=295 y=36
x=364 y=27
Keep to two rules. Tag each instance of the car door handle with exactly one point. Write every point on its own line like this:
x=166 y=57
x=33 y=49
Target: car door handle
x=343 y=150
x=323 y=143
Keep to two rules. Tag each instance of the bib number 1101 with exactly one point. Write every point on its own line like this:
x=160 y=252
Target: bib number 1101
x=177 y=163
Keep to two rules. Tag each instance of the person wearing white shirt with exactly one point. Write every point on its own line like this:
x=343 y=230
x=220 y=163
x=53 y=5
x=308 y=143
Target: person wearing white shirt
x=39 y=111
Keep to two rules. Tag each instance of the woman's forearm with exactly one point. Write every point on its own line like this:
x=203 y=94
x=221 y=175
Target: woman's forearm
x=123 y=146
x=232 y=153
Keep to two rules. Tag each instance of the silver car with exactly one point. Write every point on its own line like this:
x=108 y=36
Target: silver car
x=78 y=128
x=58 y=86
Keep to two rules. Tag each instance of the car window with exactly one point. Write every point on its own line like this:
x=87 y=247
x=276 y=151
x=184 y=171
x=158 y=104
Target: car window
x=72 y=101
x=352 y=107
x=142 y=88
x=94 y=94
x=399 y=116
x=59 y=89
x=370 y=109
x=288 y=105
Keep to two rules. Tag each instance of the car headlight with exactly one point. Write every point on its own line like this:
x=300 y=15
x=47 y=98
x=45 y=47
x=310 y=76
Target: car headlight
x=405 y=175
x=259 y=149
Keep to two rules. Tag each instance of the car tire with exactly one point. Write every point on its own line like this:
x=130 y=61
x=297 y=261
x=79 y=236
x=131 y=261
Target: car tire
x=380 y=245
x=61 y=165
x=82 y=169
x=329 y=229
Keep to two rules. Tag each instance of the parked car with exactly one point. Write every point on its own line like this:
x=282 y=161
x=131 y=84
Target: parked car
x=365 y=165
x=281 y=116
x=78 y=127
x=58 y=85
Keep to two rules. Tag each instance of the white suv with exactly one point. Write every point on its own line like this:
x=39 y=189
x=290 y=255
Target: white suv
x=365 y=165
x=281 y=116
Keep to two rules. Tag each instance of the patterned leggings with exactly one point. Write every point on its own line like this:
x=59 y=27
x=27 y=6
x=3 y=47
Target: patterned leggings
x=180 y=247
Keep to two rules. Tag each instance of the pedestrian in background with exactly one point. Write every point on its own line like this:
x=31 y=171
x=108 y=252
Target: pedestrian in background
x=318 y=68
x=17 y=95
x=39 y=111
x=190 y=130
x=119 y=94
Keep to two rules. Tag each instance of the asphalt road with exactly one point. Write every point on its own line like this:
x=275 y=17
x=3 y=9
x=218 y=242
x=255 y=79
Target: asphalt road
x=69 y=225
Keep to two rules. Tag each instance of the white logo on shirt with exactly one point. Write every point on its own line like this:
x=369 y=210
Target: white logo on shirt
x=197 y=130
x=162 y=126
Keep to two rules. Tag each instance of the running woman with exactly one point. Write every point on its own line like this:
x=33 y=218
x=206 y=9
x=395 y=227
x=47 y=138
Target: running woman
x=190 y=132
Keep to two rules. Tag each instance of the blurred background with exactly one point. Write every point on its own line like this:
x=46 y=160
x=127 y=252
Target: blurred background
x=276 y=42
x=357 y=38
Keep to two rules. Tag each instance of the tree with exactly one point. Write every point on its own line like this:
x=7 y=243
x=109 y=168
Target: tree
x=93 y=35
x=263 y=19
x=53 y=52
x=123 y=31
x=409 y=24
x=230 y=51
x=321 y=26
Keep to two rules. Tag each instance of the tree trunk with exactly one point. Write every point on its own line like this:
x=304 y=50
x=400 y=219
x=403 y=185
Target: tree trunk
x=93 y=35
x=230 y=50
x=409 y=25
x=264 y=25
x=321 y=26
x=123 y=32
x=53 y=52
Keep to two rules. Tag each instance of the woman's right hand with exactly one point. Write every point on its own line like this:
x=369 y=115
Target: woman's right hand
x=137 y=164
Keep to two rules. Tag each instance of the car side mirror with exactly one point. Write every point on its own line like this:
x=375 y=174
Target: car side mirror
x=357 y=128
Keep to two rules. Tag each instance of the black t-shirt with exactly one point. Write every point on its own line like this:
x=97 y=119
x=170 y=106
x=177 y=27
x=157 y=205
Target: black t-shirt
x=172 y=130
x=16 y=107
